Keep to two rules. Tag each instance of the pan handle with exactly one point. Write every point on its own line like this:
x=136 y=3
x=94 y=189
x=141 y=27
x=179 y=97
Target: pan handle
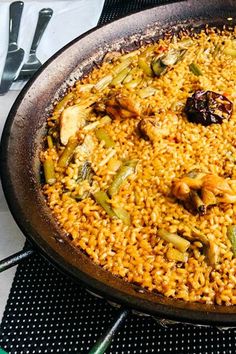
x=15 y=259
x=105 y=340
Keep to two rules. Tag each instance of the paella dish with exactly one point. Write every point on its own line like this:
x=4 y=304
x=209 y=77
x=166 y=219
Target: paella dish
x=139 y=165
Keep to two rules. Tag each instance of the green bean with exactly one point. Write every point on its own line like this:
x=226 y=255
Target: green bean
x=86 y=87
x=185 y=43
x=50 y=141
x=231 y=233
x=68 y=152
x=142 y=62
x=127 y=169
x=195 y=69
x=102 y=199
x=103 y=82
x=62 y=104
x=179 y=242
x=121 y=66
x=133 y=83
x=212 y=253
x=98 y=123
x=122 y=214
x=118 y=79
x=49 y=171
x=129 y=55
x=147 y=92
x=230 y=51
x=102 y=135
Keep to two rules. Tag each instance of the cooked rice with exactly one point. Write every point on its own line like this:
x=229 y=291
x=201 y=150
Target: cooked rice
x=135 y=252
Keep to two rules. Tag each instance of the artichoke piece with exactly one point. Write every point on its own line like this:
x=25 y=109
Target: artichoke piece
x=145 y=66
x=146 y=92
x=210 y=248
x=158 y=68
x=85 y=173
x=163 y=63
x=172 y=57
x=72 y=119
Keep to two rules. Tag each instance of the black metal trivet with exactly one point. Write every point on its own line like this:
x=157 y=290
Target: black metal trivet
x=48 y=313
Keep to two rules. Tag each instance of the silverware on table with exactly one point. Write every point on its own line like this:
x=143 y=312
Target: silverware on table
x=33 y=63
x=15 y=55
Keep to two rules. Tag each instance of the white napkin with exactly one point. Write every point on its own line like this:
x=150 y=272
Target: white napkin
x=69 y=20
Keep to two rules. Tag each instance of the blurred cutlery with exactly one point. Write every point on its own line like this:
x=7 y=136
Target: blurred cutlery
x=15 y=55
x=33 y=63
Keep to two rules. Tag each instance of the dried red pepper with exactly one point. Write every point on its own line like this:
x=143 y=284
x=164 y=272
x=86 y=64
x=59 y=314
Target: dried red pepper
x=208 y=107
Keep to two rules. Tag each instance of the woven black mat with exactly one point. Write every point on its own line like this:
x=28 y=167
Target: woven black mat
x=48 y=313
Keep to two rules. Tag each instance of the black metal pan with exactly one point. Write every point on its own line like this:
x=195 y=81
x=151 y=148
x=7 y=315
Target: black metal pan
x=22 y=138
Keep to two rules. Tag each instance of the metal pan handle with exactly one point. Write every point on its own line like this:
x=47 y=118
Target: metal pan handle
x=105 y=340
x=15 y=259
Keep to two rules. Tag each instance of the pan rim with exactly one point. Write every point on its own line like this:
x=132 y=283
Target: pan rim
x=204 y=316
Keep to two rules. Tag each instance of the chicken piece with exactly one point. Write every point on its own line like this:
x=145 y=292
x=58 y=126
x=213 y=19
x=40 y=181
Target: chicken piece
x=151 y=129
x=216 y=184
x=72 y=119
x=122 y=107
x=201 y=190
x=208 y=197
x=180 y=190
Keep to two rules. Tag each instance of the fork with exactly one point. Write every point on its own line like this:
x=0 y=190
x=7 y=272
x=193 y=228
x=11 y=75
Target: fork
x=33 y=63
